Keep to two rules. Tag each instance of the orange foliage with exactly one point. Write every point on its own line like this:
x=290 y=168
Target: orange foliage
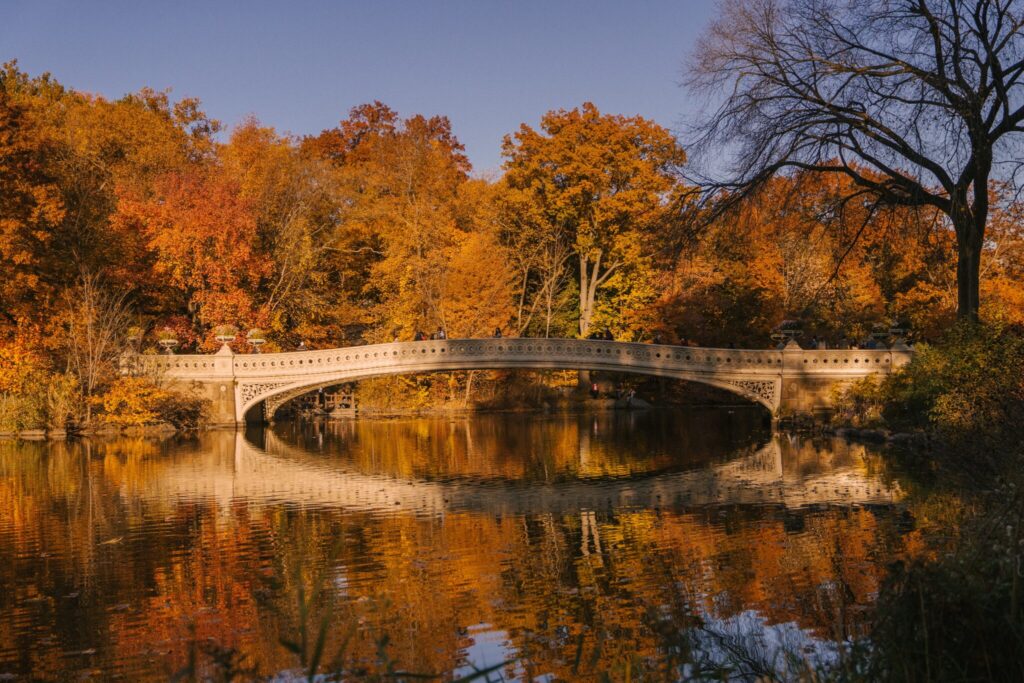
x=374 y=229
x=30 y=207
x=203 y=234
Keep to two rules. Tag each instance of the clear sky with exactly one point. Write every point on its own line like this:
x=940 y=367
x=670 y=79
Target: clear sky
x=300 y=65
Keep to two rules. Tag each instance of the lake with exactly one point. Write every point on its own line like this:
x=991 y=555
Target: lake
x=653 y=543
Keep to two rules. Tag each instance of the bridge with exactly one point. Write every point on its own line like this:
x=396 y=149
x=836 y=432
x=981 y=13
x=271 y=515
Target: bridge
x=785 y=381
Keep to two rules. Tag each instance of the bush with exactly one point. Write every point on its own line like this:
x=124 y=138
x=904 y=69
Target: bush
x=859 y=404
x=63 y=401
x=136 y=401
x=970 y=387
x=19 y=412
x=43 y=402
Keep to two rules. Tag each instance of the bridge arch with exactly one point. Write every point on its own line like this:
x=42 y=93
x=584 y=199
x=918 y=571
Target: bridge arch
x=275 y=397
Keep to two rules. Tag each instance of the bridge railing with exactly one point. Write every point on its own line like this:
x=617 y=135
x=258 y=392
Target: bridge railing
x=528 y=352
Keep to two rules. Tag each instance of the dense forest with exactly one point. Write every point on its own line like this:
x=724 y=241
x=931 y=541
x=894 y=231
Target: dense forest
x=146 y=213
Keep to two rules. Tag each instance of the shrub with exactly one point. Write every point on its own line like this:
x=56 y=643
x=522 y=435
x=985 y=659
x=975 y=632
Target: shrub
x=19 y=412
x=63 y=401
x=859 y=404
x=136 y=401
x=45 y=401
x=31 y=397
x=970 y=387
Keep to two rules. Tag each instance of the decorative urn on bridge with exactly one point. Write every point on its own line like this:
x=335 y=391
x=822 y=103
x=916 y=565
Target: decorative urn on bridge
x=225 y=334
x=898 y=334
x=256 y=339
x=167 y=339
x=880 y=332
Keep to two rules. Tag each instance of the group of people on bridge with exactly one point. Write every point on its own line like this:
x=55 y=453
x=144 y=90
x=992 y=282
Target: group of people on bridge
x=420 y=336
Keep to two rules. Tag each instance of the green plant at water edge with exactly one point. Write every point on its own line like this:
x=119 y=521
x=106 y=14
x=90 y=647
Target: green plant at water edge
x=19 y=412
x=44 y=401
x=968 y=389
x=970 y=386
x=859 y=404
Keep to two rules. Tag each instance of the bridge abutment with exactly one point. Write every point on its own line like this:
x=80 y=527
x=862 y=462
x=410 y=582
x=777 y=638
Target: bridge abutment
x=208 y=377
x=811 y=379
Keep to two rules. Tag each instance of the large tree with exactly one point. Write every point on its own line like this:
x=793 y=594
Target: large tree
x=30 y=208
x=605 y=182
x=923 y=94
x=409 y=209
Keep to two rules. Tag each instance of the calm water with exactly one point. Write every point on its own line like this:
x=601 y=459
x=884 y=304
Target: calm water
x=623 y=543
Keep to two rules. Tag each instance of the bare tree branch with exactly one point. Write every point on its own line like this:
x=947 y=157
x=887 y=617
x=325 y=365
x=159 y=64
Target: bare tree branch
x=918 y=102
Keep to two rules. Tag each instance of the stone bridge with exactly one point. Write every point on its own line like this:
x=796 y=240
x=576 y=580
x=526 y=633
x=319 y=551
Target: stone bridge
x=785 y=381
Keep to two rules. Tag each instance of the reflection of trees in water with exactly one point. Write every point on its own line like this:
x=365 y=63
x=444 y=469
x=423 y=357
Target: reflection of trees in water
x=531 y=446
x=92 y=559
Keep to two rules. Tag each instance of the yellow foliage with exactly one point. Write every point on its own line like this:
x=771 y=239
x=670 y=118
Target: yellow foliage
x=131 y=401
x=135 y=401
x=19 y=361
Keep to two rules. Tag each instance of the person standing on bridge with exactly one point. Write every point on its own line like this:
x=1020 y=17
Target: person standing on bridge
x=441 y=334
x=497 y=333
x=418 y=336
x=301 y=346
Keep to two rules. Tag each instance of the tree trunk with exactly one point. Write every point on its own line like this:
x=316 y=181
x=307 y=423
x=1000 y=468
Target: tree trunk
x=969 y=238
x=585 y=304
x=469 y=388
x=968 y=283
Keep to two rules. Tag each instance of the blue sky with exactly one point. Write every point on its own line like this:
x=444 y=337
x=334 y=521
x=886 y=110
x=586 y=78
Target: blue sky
x=300 y=65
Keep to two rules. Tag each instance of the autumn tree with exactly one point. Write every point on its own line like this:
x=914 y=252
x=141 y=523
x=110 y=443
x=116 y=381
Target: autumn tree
x=605 y=182
x=30 y=209
x=201 y=230
x=293 y=201
x=923 y=94
x=539 y=258
x=399 y=181
x=95 y=321
x=94 y=151
x=788 y=252
x=476 y=287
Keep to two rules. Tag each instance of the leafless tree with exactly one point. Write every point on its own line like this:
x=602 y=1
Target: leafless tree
x=918 y=102
x=540 y=258
x=552 y=275
x=97 y=321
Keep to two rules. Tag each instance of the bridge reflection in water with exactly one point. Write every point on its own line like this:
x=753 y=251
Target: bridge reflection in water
x=466 y=540
x=280 y=472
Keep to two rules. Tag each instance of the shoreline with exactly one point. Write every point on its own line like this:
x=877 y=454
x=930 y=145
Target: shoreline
x=562 y=407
